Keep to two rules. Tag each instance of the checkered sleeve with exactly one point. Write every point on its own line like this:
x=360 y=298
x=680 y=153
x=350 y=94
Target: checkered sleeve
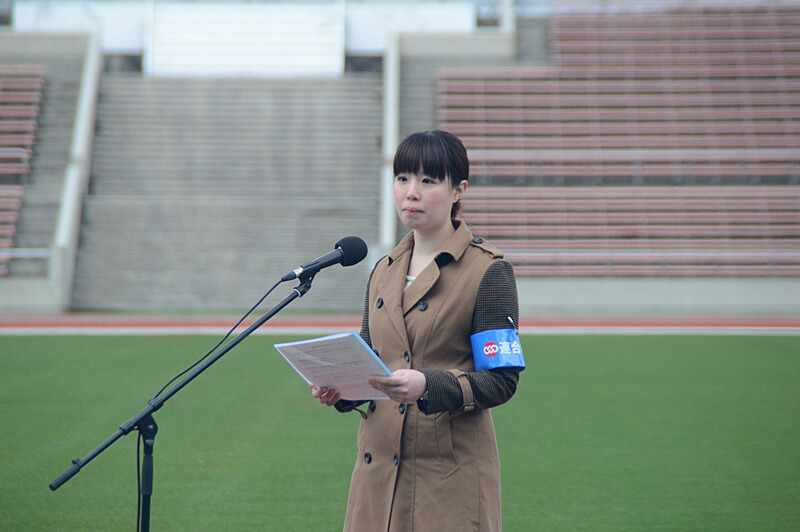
x=364 y=333
x=496 y=303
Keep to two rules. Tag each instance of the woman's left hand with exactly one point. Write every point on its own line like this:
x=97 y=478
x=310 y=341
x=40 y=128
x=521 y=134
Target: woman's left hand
x=405 y=386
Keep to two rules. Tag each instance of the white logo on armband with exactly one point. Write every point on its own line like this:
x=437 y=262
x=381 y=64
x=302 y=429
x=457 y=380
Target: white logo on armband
x=490 y=349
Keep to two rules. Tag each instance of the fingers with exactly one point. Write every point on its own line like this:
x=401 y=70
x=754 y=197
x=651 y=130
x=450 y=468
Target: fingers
x=377 y=380
x=325 y=396
x=387 y=385
x=406 y=386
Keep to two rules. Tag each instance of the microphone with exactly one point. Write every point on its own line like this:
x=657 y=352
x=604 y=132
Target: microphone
x=347 y=251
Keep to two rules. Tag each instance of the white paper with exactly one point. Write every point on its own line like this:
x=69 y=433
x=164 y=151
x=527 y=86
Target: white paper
x=343 y=362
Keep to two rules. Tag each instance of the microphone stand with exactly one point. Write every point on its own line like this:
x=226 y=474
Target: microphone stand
x=146 y=425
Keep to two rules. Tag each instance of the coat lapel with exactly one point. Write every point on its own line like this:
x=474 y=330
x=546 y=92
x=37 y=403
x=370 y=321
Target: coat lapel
x=390 y=288
x=427 y=278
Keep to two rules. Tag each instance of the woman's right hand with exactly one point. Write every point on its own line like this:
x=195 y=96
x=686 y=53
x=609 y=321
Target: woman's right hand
x=325 y=396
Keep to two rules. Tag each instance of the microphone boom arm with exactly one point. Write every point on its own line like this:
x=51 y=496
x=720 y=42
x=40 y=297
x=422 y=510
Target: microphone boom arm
x=143 y=419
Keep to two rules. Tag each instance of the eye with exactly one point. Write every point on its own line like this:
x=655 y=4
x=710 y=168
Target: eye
x=427 y=181
x=401 y=178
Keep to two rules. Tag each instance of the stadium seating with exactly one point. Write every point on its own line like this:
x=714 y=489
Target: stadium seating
x=642 y=231
x=615 y=125
x=725 y=35
x=21 y=89
x=644 y=147
x=703 y=96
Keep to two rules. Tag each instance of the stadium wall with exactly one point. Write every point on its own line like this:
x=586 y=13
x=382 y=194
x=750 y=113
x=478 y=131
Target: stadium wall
x=313 y=35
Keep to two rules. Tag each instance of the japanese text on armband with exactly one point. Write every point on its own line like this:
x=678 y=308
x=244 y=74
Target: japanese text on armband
x=497 y=348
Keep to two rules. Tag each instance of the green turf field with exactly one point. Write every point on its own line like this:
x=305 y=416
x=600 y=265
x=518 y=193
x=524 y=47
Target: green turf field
x=671 y=433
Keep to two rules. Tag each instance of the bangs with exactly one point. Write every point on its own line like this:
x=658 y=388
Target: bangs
x=422 y=154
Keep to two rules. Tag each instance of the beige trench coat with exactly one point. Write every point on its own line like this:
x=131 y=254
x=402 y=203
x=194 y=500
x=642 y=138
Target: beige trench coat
x=417 y=472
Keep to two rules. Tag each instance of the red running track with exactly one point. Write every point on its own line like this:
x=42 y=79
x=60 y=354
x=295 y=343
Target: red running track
x=98 y=323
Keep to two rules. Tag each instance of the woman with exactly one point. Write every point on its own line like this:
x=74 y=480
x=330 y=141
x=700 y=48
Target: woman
x=441 y=311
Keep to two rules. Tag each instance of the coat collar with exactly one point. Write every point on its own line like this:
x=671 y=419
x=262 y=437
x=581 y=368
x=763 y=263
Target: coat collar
x=391 y=286
x=455 y=246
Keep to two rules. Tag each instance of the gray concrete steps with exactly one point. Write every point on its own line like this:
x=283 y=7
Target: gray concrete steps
x=211 y=252
x=202 y=194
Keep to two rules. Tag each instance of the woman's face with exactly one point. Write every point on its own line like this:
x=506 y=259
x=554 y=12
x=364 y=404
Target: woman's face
x=424 y=204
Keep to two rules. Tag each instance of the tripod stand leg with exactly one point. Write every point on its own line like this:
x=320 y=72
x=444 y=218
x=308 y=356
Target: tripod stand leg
x=148 y=429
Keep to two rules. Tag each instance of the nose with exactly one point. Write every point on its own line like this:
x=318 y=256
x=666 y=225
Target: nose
x=412 y=191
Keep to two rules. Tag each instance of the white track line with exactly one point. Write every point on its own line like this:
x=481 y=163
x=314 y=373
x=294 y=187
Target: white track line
x=55 y=330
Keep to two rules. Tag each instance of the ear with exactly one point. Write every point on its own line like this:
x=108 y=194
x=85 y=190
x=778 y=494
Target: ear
x=461 y=188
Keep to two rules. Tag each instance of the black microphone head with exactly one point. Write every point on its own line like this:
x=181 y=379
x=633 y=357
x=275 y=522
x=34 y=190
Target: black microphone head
x=353 y=249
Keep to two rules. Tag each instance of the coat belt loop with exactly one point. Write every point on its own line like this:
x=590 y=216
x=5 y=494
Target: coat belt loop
x=466 y=390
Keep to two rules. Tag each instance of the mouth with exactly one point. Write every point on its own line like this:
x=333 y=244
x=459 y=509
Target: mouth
x=411 y=210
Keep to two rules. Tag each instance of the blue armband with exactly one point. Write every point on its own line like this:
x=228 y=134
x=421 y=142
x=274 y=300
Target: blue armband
x=497 y=348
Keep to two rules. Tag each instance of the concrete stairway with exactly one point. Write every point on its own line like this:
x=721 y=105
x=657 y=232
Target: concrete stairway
x=205 y=191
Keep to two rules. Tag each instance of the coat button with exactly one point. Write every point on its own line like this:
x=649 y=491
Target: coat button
x=395 y=459
x=379 y=302
x=406 y=356
x=422 y=305
x=478 y=240
x=402 y=408
x=367 y=457
x=372 y=406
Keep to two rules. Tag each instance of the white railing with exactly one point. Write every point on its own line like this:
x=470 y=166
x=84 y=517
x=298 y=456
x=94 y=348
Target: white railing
x=63 y=250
